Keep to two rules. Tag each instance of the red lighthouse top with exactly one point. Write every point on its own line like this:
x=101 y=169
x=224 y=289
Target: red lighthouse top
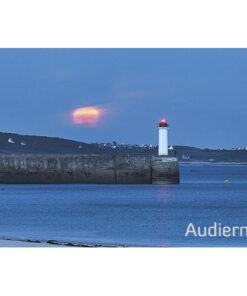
x=163 y=123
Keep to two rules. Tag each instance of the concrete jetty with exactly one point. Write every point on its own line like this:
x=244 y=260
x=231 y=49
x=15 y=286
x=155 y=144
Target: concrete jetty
x=88 y=169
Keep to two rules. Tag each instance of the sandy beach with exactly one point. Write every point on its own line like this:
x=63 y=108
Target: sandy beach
x=24 y=244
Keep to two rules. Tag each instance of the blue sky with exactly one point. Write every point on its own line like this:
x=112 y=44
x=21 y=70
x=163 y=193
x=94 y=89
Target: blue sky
x=201 y=92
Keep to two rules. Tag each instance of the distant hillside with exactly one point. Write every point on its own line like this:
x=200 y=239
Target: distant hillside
x=22 y=144
x=188 y=154
x=14 y=143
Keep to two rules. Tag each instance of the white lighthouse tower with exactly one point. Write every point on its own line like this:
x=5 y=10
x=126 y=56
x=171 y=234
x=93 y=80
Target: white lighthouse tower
x=163 y=138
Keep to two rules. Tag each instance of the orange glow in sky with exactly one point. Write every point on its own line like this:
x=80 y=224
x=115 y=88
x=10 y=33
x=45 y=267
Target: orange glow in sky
x=87 y=115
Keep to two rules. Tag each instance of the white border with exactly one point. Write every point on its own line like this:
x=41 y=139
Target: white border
x=137 y=271
x=123 y=23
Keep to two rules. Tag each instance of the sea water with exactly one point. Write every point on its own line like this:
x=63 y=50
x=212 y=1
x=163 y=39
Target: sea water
x=130 y=215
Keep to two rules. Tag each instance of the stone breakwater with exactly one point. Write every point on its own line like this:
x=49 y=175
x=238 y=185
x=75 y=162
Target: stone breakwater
x=88 y=169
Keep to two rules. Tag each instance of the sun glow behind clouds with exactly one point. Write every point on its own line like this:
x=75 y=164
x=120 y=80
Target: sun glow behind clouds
x=87 y=115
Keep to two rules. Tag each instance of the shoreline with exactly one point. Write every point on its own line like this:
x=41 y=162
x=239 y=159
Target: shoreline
x=212 y=163
x=24 y=243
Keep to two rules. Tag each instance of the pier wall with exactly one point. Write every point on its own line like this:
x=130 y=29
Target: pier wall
x=88 y=169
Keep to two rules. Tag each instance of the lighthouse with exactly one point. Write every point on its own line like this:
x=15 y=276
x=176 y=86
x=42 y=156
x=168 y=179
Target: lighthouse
x=163 y=138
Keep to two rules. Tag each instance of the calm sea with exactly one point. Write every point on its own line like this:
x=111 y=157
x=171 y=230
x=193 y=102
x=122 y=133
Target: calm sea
x=133 y=215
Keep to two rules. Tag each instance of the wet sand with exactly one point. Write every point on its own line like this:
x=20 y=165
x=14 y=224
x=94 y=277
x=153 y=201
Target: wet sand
x=9 y=243
x=26 y=243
